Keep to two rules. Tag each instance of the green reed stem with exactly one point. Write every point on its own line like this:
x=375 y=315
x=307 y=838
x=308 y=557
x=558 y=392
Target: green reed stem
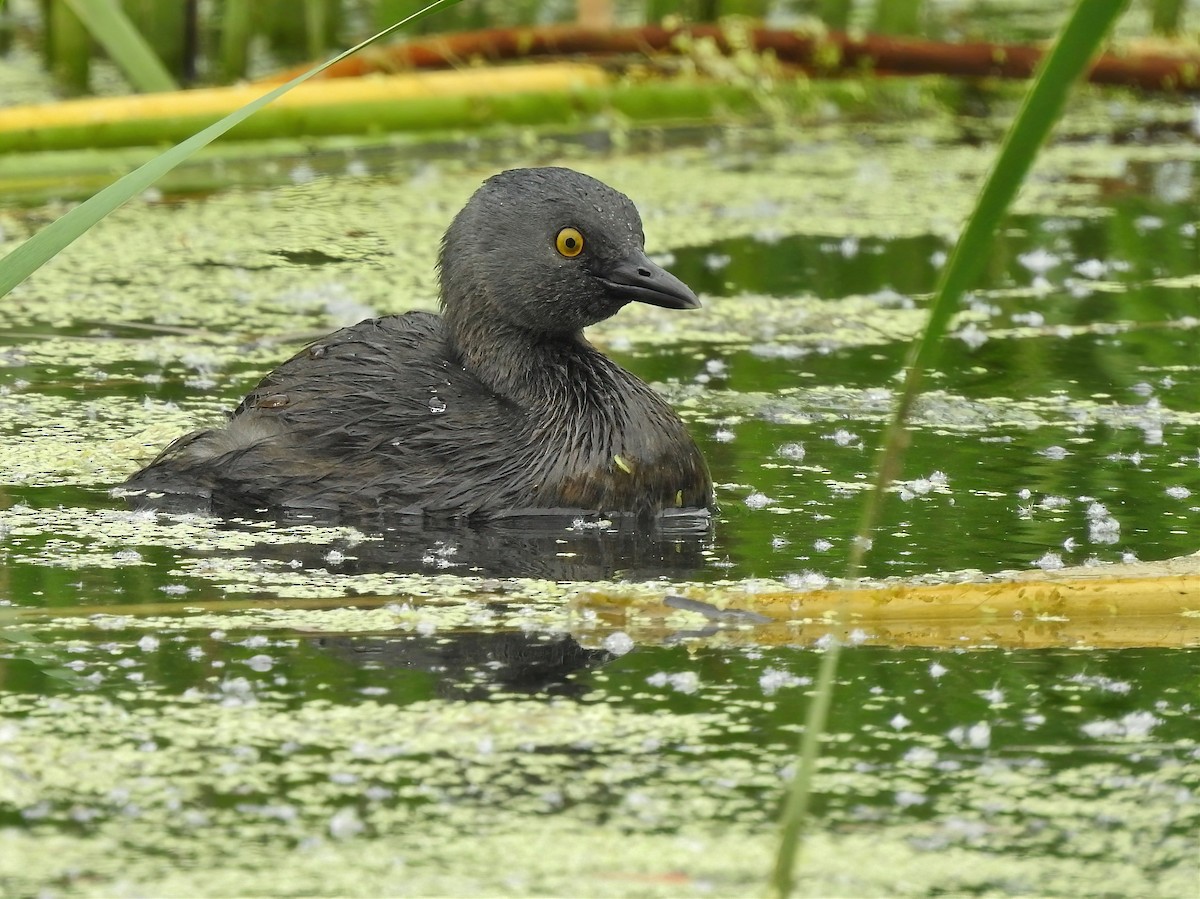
x=1077 y=44
x=107 y=22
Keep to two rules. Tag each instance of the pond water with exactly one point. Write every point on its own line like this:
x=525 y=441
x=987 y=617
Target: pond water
x=192 y=705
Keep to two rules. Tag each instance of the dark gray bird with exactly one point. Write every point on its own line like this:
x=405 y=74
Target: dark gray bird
x=498 y=406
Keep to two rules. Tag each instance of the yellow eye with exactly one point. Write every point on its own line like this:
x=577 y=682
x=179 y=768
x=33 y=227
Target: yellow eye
x=569 y=242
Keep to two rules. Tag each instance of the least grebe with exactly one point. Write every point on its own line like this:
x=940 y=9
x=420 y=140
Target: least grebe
x=498 y=405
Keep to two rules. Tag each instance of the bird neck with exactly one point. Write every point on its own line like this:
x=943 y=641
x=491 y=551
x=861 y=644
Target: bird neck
x=527 y=367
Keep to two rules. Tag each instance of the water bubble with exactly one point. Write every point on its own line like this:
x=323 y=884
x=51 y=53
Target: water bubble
x=1178 y=492
x=618 y=643
x=1105 y=684
x=1092 y=268
x=1172 y=182
x=148 y=643
x=772 y=680
x=302 y=173
x=826 y=641
x=1102 y=527
x=977 y=736
x=345 y=824
x=806 y=580
x=1135 y=725
x=436 y=405
x=920 y=756
x=1039 y=261
x=972 y=335
x=792 y=451
x=1050 y=562
x=681 y=681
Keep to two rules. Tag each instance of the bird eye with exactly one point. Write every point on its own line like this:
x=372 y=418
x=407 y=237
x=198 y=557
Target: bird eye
x=569 y=242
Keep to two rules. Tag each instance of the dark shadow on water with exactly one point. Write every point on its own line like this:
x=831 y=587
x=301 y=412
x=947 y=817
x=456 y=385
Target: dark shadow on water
x=546 y=544
x=472 y=665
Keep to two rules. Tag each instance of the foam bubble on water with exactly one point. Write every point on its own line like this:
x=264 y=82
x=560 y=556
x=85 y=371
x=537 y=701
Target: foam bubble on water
x=1050 y=562
x=680 y=681
x=1134 y=726
x=345 y=824
x=972 y=335
x=842 y=437
x=1038 y=261
x=148 y=643
x=772 y=680
x=792 y=451
x=618 y=643
x=977 y=736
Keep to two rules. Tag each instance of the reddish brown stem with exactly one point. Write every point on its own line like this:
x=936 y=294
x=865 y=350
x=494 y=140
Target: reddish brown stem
x=833 y=53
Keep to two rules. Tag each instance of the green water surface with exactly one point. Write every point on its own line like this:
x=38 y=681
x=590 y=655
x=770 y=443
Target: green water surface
x=193 y=706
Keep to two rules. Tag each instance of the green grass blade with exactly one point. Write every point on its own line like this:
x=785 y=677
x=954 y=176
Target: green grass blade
x=1078 y=42
x=106 y=21
x=43 y=246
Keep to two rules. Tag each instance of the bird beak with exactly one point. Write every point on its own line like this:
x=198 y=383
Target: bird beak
x=637 y=278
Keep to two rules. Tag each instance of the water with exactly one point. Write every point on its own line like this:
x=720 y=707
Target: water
x=195 y=705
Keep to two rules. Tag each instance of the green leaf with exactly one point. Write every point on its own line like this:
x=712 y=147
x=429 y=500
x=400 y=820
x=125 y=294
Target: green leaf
x=47 y=243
